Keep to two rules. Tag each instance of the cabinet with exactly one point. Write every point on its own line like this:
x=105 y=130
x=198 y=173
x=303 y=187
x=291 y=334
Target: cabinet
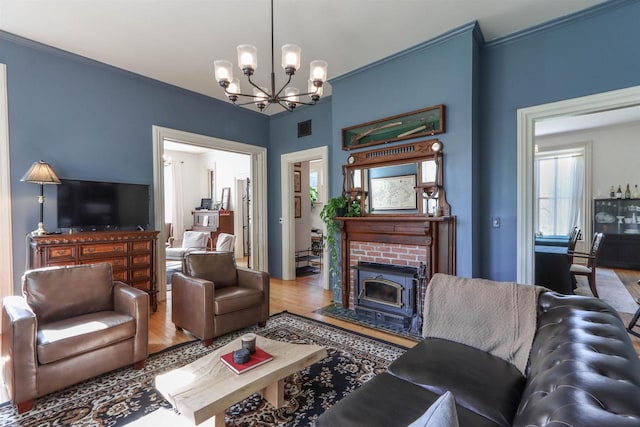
x=619 y=220
x=215 y=222
x=132 y=255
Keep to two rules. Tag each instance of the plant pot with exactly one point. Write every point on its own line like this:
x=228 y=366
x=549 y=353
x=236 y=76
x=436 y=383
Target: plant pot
x=341 y=211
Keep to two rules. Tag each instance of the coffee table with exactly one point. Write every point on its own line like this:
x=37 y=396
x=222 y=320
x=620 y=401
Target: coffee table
x=207 y=387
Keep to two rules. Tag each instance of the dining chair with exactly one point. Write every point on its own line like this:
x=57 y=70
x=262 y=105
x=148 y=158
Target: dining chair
x=589 y=269
x=574 y=236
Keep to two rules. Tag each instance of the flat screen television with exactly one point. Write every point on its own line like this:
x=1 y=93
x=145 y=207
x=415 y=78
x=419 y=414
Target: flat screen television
x=93 y=205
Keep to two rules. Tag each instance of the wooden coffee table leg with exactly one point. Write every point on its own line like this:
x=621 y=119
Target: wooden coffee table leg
x=274 y=393
x=218 y=420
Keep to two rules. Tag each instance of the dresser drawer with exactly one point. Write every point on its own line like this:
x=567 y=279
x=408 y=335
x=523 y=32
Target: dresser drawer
x=102 y=249
x=140 y=260
x=141 y=246
x=60 y=254
x=140 y=273
x=119 y=263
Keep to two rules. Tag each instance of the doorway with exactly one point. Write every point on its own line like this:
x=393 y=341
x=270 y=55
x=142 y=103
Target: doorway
x=527 y=119
x=258 y=175
x=287 y=162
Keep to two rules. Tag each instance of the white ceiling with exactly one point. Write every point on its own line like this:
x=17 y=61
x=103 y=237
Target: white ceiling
x=176 y=41
x=588 y=121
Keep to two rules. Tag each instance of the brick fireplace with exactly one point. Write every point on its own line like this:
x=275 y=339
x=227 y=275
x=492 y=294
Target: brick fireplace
x=384 y=253
x=396 y=240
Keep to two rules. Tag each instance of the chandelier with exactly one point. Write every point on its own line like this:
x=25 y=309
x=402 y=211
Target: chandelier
x=287 y=97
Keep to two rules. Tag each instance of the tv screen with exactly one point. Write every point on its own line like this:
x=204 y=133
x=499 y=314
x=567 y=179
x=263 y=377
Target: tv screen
x=92 y=205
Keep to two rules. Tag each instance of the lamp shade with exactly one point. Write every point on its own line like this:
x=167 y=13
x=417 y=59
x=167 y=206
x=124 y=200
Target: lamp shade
x=41 y=173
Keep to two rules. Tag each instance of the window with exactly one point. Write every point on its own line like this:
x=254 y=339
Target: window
x=316 y=179
x=559 y=178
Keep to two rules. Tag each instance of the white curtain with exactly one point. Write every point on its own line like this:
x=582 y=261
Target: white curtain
x=576 y=191
x=177 y=212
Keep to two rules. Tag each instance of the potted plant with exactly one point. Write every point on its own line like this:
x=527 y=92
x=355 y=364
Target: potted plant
x=335 y=207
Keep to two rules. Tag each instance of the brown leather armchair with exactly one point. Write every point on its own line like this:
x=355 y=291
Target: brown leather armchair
x=71 y=323
x=213 y=296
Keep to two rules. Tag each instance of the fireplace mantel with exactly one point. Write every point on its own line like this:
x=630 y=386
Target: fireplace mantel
x=437 y=234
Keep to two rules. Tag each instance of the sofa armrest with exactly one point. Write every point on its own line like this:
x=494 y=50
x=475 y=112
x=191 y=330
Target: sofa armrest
x=192 y=305
x=19 y=326
x=253 y=279
x=135 y=303
x=256 y=280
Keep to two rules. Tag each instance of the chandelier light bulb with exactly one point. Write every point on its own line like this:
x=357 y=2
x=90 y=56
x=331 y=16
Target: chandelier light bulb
x=223 y=71
x=291 y=96
x=315 y=92
x=319 y=71
x=260 y=97
x=247 y=58
x=291 y=58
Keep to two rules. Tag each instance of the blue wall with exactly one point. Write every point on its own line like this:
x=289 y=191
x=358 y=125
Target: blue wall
x=284 y=139
x=444 y=70
x=92 y=121
x=595 y=53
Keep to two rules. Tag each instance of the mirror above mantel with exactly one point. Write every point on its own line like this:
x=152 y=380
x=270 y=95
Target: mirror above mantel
x=403 y=179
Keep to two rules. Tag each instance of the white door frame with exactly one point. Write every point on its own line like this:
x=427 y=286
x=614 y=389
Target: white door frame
x=259 y=256
x=527 y=117
x=6 y=248
x=288 y=225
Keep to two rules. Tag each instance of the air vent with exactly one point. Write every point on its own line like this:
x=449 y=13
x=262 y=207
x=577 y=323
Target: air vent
x=304 y=128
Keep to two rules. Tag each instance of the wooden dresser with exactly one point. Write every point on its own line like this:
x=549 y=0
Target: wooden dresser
x=132 y=255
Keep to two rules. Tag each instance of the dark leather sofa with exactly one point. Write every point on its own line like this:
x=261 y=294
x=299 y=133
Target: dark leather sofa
x=582 y=371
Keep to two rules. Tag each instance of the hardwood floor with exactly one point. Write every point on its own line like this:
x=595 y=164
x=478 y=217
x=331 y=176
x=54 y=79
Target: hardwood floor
x=302 y=296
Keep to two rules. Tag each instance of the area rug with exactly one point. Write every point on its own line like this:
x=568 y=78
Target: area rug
x=610 y=290
x=339 y=312
x=125 y=395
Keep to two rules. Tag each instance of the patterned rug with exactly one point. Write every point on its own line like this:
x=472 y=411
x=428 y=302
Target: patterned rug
x=125 y=395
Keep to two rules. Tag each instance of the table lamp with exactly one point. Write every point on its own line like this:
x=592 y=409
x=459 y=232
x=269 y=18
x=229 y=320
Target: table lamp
x=40 y=173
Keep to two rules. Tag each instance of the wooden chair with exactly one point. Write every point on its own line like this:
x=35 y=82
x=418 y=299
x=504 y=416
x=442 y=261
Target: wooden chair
x=589 y=269
x=574 y=236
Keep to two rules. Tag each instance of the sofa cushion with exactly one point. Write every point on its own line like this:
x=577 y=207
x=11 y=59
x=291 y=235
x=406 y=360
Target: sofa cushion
x=480 y=382
x=235 y=298
x=216 y=267
x=441 y=414
x=70 y=337
x=385 y=401
x=583 y=369
x=57 y=293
